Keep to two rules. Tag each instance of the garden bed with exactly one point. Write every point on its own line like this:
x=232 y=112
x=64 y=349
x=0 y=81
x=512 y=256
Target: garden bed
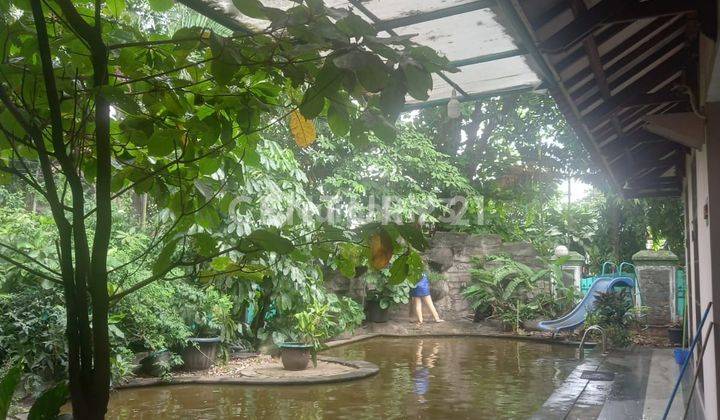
x=264 y=370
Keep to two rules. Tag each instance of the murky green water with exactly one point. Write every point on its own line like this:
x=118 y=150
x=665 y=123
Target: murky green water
x=439 y=378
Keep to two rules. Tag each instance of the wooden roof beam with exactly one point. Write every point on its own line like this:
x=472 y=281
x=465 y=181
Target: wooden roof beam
x=629 y=66
x=637 y=42
x=635 y=93
x=612 y=11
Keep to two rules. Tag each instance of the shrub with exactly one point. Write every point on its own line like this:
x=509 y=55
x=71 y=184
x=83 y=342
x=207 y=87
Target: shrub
x=32 y=328
x=610 y=313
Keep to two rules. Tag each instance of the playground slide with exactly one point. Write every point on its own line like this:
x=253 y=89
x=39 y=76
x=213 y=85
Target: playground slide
x=576 y=317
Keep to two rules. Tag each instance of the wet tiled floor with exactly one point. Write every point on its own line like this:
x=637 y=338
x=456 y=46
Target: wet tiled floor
x=639 y=389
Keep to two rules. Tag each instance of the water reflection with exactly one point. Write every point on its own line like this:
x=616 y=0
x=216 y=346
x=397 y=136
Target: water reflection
x=421 y=373
x=419 y=378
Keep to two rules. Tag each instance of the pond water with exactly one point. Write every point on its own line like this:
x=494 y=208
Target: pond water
x=463 y=377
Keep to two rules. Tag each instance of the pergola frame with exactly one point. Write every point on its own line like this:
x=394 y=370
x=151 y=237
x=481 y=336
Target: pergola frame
x=608 y=66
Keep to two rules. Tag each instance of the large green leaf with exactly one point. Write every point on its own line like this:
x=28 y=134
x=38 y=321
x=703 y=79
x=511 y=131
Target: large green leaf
x=164 y=258
x=418 y=81
x=252 y=8
x=272 y=241
x=161 y=5
x=7 y=388
x=47 y=406
x=115 y=7
x=338 y=119
x=399 y=270
x=413 y=235
x=163 y=142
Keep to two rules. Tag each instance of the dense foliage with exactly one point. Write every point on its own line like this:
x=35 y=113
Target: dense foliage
x=166 y=178
x=512 y=292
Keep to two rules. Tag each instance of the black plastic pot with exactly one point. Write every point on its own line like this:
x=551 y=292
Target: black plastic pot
x=675 y=335
x=201 y=353
x=375 y=313
x=295 y=356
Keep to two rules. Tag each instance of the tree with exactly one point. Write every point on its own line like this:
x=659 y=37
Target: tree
x=105 y=108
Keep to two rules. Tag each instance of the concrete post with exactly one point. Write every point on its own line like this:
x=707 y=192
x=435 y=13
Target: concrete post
x=572 y=269
x=655 y=272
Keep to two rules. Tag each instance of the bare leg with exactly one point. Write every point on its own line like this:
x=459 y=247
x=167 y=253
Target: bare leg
x=428 y=301
x=417 y=303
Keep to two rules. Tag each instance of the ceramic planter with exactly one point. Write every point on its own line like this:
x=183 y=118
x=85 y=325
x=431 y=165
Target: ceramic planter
x=295 y=356
x=201 y=353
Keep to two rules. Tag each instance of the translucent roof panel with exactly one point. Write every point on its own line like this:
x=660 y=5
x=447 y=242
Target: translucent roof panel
x=385 y=9
x=467 y=32
x=495 y=75
x=462 y=36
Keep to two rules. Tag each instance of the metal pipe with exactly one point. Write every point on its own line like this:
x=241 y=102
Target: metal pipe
x=697 y=369
x=580 y=353
x=698 y=334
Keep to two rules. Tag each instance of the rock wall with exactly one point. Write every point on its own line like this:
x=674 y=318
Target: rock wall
x=449 y=253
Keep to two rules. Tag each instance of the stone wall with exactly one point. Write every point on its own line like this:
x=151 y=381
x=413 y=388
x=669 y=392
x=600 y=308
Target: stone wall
x=655 y=292
x=655 y=272
x=449 y=253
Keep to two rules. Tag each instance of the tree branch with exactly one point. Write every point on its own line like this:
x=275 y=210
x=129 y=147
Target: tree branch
x=30 y=270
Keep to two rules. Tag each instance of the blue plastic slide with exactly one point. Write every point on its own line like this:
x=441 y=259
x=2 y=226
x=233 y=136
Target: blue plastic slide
x=576 y=317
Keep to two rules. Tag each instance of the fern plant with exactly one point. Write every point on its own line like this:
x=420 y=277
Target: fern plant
x=505 y=290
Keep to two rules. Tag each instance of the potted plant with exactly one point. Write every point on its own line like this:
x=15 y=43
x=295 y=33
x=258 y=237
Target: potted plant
x=381 y=295
x=675 y=333
x=312 y=327
x=209 y=320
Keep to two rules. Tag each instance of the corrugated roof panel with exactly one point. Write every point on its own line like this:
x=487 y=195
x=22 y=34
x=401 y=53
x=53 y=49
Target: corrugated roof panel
x=458 y=29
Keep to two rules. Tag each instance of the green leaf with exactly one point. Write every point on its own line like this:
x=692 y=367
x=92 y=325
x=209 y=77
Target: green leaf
x=118 y=97
x=48 y=404
x=418 y=81
x=271 y=241
x=251 y=8
x=355 y=26
x=209 y=165
x=381 y=127
x=392 y=98
x=161 y=5
x=163 y=142
x=223 y=71
x=373 y=76
x=208 y=218
x=415 y=264
x=205 y=244
x=221 y=263
x=338 y=119
x=7 y=389
x=399 y=270
x=413 y=235
x=164 y=258
x=371 y=72
x=115 y=7
x=313 y=103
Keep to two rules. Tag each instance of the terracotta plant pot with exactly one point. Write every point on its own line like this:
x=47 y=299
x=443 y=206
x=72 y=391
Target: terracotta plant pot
x=375 y=313
x=295 y=356
x=201 y=353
